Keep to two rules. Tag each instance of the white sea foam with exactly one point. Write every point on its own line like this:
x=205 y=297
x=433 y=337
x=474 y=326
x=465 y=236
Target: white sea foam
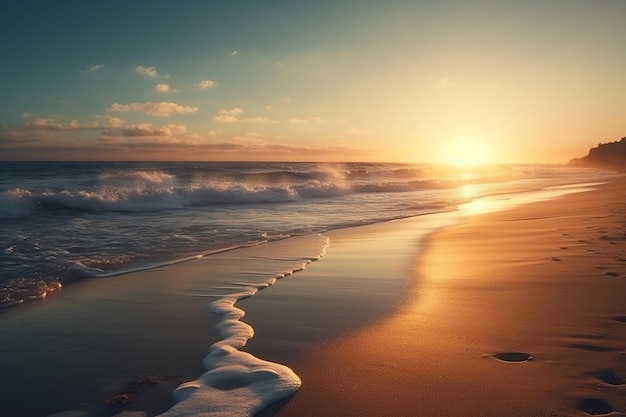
x=236 y=383
x=15 y=203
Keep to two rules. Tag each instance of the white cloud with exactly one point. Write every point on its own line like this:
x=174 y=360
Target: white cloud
x=51 y=124
x=162 y=88
x=147 y=71
x=92 y=68
x=314 y=120
x=206 y=84
x=232 y=112
x=228 y=116
x=163 y=108
x=234 y=53
x=258 y=120
x=225 y=118
x=234 y=115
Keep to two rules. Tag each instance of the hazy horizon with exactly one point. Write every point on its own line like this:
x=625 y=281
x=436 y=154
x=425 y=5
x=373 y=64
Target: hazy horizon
x=403 y=81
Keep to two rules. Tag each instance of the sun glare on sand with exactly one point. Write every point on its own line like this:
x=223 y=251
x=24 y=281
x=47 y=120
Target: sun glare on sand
x=467 y=152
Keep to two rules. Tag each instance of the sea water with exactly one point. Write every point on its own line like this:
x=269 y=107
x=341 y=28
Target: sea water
x=61 y=222
x=67 y=222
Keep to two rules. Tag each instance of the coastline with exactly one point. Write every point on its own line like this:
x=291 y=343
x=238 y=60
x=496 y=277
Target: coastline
x=546 y=279
x=368 y=271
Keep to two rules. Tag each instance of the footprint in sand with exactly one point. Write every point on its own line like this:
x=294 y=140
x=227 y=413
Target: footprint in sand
x=610 y=377
x=613 y=274
x=621 y=319
x=554 y=258
x=594 y=406
x=513 y=356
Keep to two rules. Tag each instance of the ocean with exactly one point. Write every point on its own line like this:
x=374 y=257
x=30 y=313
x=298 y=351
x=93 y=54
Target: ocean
x=67 y=223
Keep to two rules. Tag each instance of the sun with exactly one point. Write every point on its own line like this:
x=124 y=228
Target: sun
x=467 y=152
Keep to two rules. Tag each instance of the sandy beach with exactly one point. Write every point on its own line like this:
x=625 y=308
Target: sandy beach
x=517 y=313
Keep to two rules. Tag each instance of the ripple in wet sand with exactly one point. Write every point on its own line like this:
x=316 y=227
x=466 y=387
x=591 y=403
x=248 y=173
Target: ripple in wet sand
x=591 y=348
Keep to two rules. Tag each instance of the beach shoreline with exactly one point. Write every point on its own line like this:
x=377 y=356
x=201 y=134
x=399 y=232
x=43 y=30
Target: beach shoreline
x=515 y=312
x=372 y=276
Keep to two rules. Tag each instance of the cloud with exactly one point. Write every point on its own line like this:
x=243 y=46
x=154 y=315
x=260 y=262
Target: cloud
x=258 y=120
x=162 y=88
x=147 y=71
x=228 y=116
x=234 y=115
x=167 y=142
x=314 y=120
x=146 y=129
x=163 y=108
x=206 y=84
x=92 y=68
x=232 y=112
x=51 y=124
x=234 y=53
x=115 y=122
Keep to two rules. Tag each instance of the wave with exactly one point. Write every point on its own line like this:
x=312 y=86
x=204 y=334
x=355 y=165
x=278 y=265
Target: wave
x=136 y=191
x=139 y=190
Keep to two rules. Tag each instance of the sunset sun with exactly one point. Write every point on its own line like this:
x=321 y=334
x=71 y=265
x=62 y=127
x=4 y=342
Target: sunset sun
x=467 y=152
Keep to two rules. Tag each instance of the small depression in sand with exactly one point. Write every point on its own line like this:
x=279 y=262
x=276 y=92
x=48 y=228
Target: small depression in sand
x=594 y=406
x=610 y=377
x=621 y=318
x=513 y=356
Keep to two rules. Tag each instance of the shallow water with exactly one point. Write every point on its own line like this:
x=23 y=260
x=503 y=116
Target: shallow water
x=90 y=339
x=62 y=222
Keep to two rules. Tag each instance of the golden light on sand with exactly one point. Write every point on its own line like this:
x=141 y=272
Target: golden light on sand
x=467 y=152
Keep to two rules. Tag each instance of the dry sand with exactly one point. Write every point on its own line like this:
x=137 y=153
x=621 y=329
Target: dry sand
x=545 y=280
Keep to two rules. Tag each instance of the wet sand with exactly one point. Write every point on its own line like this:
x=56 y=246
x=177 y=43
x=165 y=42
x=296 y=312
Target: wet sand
x=519 y=313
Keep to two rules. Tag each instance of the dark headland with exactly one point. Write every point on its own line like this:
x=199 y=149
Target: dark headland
x=611 y=155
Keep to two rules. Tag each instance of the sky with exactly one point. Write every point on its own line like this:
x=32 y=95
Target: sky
x=283 y=80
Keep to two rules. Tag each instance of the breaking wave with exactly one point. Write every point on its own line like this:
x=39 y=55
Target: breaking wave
x=138 y=190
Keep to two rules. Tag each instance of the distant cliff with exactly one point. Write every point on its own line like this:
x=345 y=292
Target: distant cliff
x=610 y=155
